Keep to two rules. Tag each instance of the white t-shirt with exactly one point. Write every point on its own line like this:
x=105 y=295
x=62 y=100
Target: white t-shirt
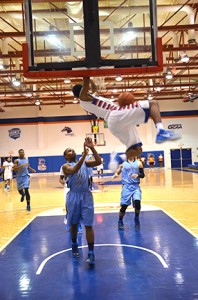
x=8 y=169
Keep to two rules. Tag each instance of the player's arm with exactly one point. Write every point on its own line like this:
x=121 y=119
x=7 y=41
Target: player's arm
x=67 y=169
x=141 y=170
x=118 y=172
x=16 y=167
x=31 y=169
x=61 y=179
x=97 y=158
x=84 y=93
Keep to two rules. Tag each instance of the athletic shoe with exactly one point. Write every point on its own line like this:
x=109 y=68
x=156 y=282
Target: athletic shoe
x=137 y=223
x=8 y=188
x=91 y=258
x=28 y=207
x=80 y=230
x=75 y=251
x=166 y=135
x=120 y=225
x=5 y=186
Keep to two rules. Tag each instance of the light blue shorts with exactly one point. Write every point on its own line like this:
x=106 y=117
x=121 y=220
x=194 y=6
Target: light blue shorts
x=80 y=208
x=23 y=182
x=130 y=194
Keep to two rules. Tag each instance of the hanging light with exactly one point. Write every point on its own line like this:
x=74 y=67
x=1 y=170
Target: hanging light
x=37 y=102
x=16 y=82
x=118 y=78
x=67 y=80
x=75 y=100
x=184 y=58
x=169 y=74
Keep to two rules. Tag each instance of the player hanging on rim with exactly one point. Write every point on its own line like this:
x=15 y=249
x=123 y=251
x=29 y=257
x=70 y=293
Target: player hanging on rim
x=122 y=121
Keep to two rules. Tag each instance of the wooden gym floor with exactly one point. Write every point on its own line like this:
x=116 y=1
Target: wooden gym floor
x=174 y=191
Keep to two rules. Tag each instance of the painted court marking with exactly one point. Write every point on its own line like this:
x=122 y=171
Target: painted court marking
x=42 y=265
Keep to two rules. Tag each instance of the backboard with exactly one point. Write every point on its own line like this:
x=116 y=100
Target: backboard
x=90 y=38
x=97 y=138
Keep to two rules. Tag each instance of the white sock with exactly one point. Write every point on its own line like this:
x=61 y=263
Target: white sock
x=159 y=126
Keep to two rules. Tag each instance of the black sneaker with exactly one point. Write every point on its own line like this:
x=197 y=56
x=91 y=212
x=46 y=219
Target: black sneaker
x=28 y=208
x=75 y=251
x=91 y=258
x=137 y=223
x=120 y=225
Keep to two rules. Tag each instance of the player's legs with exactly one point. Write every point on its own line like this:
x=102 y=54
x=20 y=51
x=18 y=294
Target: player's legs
x=124 y=203
x=22 y=193
x=90 y=242
x=27 y=195
x=137 y=207
x=137 y=196
x=121 y=216
x=74 y=232
x=163 y=135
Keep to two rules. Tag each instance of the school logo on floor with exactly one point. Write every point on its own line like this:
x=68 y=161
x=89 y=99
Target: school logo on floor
x=14 y=133
x=67 y=130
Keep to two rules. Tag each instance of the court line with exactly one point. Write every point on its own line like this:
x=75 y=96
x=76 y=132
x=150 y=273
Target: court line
x=44 y=262
x=180 y=224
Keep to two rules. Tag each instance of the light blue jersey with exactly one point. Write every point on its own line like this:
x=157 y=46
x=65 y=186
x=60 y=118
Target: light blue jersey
x=131 y=190
x=128 y=169
x=22 y=175
x=80 y=207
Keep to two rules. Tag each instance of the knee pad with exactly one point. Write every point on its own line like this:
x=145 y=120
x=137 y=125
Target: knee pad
x=123 y=208
x=137 y=204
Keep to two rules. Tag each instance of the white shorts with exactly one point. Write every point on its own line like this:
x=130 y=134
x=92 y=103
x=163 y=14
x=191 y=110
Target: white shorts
x=7 y=175
x=122 y=123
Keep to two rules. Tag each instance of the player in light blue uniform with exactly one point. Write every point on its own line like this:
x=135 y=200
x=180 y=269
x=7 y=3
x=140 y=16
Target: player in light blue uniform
x=132 y=170
x=22 y=167
x=80 y=206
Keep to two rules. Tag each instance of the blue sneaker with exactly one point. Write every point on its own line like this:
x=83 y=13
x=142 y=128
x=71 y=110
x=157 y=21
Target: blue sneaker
x=91 y=258
x=75 y=252
x=28 y=208
x=137 y=223
x=5 y=186
x=80 y=230
x=166 y=135
x=120 y=225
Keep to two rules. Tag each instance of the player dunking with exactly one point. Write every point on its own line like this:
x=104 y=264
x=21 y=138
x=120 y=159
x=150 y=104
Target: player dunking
x=122 y=122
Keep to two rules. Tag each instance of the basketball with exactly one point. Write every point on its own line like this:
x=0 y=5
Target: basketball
x=125 y=98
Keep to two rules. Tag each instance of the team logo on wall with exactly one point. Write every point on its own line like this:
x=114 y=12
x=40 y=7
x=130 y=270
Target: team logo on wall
x=67 y=130
x=14 y=133
x=41 y=164
x=175 y=126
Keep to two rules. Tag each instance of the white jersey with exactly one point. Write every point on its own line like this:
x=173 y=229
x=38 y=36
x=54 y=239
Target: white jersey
x=121 y=121
x=8 y=169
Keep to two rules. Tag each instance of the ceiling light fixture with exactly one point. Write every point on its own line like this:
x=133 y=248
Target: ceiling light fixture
x=37 y=102
x=184 y=58
x=16 y=82
x=169 y=74
x=75 y=100
x=118 y=78
x=67 y=80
